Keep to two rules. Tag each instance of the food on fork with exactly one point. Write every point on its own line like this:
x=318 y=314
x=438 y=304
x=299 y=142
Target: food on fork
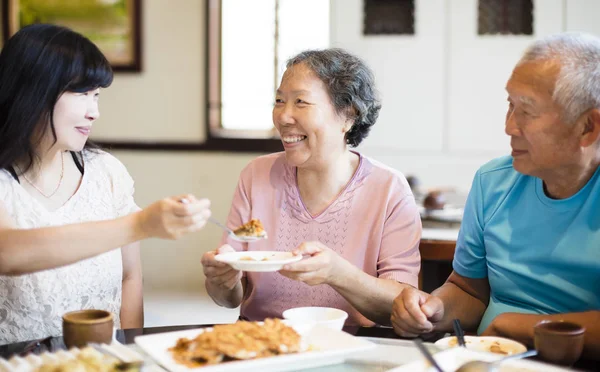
x=251 y=228
x=241 y=340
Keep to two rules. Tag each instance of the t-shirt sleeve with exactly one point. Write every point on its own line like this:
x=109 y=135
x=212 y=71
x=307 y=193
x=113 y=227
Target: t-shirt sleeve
x=122 y=187
x=470 y=256
x=399 y=257
x=241 y=208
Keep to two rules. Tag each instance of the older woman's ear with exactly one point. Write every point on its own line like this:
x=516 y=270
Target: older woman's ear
x=350 y=114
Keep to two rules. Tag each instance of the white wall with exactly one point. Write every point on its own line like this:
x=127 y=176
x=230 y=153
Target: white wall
x=442 y=117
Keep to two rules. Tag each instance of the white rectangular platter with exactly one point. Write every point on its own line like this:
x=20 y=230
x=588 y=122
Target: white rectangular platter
x=328 y=347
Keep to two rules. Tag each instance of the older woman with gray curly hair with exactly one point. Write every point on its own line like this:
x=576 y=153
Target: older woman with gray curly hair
x=354 y=219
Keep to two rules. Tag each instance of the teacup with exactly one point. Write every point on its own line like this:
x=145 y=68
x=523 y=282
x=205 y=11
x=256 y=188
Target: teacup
x=87 y=326
x=559 y=342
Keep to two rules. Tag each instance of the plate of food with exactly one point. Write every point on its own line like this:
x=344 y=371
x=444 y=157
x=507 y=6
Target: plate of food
x=260 y=261
x=452 y=359
x=243 y=346
x=85 y=359
x=497 y=345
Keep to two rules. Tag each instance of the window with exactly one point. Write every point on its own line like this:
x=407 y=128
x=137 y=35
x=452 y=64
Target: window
x=249 y=43
x=389 y=17
x=505 y=17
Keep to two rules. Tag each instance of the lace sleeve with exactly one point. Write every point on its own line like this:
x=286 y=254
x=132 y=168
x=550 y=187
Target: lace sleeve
x=122 y=187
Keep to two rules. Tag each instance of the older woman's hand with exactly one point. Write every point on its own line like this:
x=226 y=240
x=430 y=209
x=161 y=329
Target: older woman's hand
x=321 y=267
x=220 y=274
x=170 y=218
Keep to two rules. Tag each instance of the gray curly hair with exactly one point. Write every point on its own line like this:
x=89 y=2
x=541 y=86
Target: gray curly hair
x=350 y=84
x=577 y=87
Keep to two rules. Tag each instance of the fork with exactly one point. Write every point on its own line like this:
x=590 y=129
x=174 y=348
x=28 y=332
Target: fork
x=232 y=235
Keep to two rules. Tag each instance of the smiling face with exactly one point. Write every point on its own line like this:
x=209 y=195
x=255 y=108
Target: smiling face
x=542 y=144
x=311 y=130
x=74 y=114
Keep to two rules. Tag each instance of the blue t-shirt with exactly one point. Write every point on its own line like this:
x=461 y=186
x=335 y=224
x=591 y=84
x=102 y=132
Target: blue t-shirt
x=540 y=255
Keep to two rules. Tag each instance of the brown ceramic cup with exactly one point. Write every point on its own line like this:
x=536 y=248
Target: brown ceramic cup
x=86 y=326
x=559 y=342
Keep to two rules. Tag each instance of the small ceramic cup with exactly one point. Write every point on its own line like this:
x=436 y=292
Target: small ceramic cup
x=85 y=326
x=559 y=342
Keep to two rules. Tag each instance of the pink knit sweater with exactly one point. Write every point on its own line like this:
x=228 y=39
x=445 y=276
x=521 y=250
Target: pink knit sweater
x=374 y=223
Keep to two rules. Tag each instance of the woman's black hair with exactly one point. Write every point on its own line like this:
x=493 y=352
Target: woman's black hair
x=37 y=65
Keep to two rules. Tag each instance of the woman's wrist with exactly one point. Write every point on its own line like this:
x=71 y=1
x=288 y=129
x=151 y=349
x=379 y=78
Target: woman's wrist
x=136 y=222
x=342 y=274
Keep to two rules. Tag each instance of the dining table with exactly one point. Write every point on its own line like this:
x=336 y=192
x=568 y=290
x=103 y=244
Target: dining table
x=391 y=350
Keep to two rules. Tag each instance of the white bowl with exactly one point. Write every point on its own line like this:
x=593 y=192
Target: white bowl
x=323 y=316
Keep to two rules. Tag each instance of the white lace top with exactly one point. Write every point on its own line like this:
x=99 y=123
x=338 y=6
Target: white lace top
x=32 y=305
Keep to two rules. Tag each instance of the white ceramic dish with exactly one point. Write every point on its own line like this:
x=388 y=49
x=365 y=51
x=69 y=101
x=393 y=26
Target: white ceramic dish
x=32 y=362
x=323 y=316
x=451 y=359
x=499 y=345
x=328 y=347
x=264 y=261
x=448 y=214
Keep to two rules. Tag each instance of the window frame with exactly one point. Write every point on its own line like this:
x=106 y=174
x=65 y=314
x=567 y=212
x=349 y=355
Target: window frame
x=217 y=138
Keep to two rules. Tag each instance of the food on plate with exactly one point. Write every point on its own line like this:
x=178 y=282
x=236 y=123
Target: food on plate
x=241 y=340
x=492 y=347
x=87 y=359
x=248 y=258
x=251 y=228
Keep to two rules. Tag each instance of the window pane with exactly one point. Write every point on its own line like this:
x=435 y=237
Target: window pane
x=505 y=17
x=294 y=34
x=248 y=52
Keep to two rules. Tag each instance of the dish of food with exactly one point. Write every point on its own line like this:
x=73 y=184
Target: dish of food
x=496 y=345
x=318 y=346
x=239 y=341
x=87 y=359
x=258 y=261
x=452 y=359
x=253 y=228
x=76 y=360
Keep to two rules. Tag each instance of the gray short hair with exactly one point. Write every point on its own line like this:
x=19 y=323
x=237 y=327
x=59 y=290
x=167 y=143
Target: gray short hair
x=577 y=87
x=351 y=85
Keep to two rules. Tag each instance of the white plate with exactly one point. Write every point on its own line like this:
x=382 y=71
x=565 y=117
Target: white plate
x=484 y=343
x=448 y=214
x=32 y=362
x=257 y=260
x=329 y=347
x=451 y=359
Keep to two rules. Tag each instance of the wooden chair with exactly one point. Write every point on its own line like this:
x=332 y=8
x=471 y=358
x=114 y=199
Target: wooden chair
x=437 y=251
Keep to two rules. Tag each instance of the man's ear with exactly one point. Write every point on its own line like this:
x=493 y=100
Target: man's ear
x=591 y=128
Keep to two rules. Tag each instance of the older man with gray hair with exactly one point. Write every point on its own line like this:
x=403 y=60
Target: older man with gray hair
x=529 y=245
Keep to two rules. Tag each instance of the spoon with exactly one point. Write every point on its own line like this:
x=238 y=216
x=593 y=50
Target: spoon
x=481 y=366
x=419 y=344
x=232 y=235
x=460 y=334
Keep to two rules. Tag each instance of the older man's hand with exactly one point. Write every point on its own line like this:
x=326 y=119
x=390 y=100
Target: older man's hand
x=321 y=267
x=415 y=312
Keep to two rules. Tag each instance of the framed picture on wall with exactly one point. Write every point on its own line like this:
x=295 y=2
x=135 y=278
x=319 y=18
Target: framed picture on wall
x=113 y=25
